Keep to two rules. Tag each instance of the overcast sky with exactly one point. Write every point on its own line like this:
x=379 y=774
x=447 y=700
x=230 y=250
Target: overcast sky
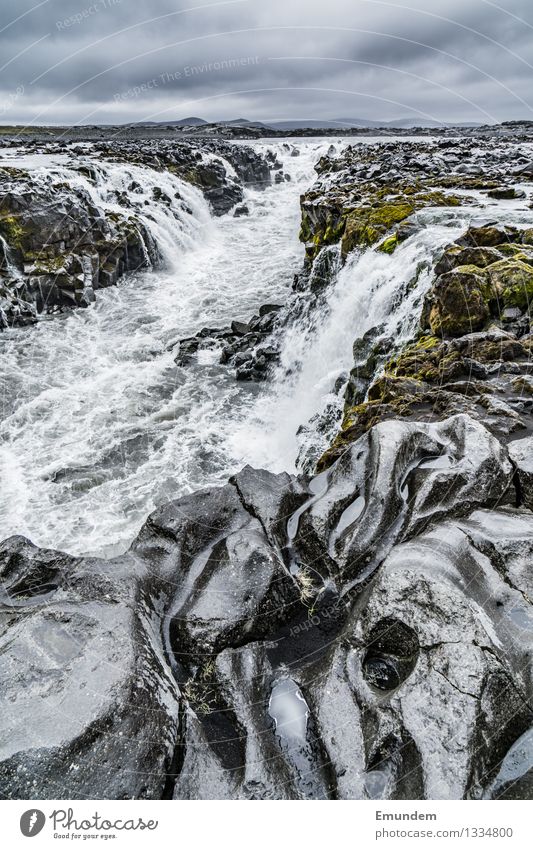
x=111 y=61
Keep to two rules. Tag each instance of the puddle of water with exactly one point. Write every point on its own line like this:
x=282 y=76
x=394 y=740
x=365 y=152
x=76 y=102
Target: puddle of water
x=349 y=516
x=441 y=461
x=318 y=486
x=288 y=709
x=516 y=764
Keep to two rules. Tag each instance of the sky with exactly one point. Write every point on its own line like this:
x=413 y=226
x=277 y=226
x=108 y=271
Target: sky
x=116 y=61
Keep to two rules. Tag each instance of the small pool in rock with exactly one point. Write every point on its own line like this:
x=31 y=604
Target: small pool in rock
x=288 y=709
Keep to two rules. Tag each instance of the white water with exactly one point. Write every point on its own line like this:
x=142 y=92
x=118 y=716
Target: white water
x=98 y=424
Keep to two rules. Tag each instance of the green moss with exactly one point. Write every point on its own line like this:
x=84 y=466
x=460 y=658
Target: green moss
x=460 y=301
x=513 y=280
x=306 y=231
x=459 y=181
x=438 y=199
x=13 y=173
x=388 y=245
x=47 y=264
x=334 y=231
x=366 y=225
x=419 y=360
x=12 y=231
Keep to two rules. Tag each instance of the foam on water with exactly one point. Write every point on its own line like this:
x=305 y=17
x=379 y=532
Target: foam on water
x=99 y=425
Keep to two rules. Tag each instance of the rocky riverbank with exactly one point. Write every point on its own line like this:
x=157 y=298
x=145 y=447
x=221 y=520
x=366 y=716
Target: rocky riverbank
x=371 y=192
x=58 y=246
x=472 y=349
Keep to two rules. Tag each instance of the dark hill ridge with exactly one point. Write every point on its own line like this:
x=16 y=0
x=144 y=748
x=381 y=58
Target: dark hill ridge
x=314 y=123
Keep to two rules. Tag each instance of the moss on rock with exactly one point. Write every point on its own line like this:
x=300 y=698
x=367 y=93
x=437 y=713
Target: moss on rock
x=12 y=231
x=389 y=245
x=513 y=280
x=366 y=225
x=460 y=301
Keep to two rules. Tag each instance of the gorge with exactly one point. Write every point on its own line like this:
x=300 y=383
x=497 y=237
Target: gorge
x=266 y=468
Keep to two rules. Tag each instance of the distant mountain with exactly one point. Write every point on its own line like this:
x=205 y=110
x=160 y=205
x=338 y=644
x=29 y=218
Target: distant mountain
x=244 y=122
x=184 y=122
x=362 y=123
x=311 y=124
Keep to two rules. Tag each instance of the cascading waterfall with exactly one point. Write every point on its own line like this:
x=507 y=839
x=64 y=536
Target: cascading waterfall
x=372 y=289
x=100 y=426
x=7 y=263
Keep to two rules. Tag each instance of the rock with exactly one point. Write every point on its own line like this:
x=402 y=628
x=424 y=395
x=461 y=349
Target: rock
x=246 y=345
x=62 y=248
x=380 y=607
x=90 y=707
x=487 y=236
x=524 y=384
x=241 y=210
x=513 y=280
x=455 y=256
x=521 y=455
x=507 y=193
x=240 y=328
x=515 y=776
x=459 y=301
x=267 y=309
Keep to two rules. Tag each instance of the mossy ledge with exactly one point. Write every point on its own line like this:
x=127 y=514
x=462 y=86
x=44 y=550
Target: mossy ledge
x=473 y=348
x=365 y=195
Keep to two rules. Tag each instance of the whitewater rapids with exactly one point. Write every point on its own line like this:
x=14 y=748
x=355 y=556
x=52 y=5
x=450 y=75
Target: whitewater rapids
x=99 y=426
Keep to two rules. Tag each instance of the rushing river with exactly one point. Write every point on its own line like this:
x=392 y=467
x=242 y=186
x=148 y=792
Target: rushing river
x=99 y=425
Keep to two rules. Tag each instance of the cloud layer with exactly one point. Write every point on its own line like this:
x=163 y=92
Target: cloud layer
x=111 y=61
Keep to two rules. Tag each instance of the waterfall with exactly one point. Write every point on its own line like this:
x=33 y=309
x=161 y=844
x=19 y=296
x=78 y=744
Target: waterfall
x=371 y=290
x=173 y=212
x=99 y=425
x=7 y=263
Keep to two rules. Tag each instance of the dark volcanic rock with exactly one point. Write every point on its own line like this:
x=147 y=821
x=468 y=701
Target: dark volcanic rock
x=471 y=354
x=249 y=347
x=362 y=634
x=369 y=194
x=82 y=657
x=61 y=248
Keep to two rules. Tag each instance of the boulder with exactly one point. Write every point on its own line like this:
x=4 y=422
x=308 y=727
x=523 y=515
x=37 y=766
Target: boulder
x=459 y=301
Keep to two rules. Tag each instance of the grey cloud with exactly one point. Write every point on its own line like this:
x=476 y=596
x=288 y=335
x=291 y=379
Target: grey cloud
x=97 y=58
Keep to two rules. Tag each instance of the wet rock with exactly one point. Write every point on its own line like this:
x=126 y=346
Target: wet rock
x=63 y=248
x=487 y=236
x=363 y=634
x=247 y=346
x=370 y=194
x=506 y=193
x=90 y=709
x=521 y=455
x=239 y=328
x=459 y=302
x=267 y=309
